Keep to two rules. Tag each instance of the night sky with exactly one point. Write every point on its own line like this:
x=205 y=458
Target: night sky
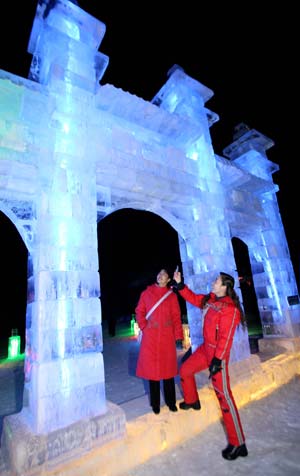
x=242 y=53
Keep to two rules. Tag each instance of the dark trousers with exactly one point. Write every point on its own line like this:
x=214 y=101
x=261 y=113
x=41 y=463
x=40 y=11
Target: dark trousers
x=169 y=392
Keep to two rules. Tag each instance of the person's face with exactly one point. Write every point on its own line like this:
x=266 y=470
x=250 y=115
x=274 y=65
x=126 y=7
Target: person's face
x=218 y=288
x=162 y=278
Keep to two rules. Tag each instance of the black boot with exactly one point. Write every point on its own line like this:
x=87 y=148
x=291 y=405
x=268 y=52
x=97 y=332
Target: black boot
x=232 y=452
x=186 y=406
x=156 y=410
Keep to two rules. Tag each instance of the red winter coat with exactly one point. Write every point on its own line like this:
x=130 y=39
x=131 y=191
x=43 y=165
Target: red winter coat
x=157 y=357
x=221 y=317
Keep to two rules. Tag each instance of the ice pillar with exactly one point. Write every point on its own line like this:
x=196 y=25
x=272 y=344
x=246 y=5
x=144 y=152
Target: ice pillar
x=64 y=364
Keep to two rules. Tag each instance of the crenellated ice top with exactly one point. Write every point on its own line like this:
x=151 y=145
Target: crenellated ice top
x=64 y=42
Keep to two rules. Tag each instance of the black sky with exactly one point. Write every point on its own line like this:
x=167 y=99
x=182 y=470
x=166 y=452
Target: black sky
x=245 y=55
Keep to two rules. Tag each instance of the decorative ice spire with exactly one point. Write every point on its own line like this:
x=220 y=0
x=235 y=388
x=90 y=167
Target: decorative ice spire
x=64 y=43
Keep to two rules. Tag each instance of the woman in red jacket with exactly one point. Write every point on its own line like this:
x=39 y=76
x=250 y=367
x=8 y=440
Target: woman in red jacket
x=222 y=313
x=157 y=358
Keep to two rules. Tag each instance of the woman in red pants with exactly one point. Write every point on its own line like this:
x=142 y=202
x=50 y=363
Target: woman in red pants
x=222 y=313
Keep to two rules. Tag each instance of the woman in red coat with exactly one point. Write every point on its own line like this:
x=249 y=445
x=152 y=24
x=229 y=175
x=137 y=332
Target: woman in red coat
x=222 y=313
x=157 y=358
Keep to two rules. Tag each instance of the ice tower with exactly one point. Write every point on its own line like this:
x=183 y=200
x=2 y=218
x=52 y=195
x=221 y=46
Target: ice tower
x=72 y=152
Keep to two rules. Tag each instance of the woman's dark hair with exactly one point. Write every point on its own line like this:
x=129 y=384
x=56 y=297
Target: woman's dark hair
x=228 y=281
x=169 y=273
x=168 y=270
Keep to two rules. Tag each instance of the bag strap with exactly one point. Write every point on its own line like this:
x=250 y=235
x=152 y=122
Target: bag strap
x=158 y=303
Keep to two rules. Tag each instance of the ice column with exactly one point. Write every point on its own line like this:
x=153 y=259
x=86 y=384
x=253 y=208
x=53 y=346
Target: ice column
x=203 y=255
x=64 y=362
x=273 y=274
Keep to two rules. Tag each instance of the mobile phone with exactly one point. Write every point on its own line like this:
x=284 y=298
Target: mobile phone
x=177 y=269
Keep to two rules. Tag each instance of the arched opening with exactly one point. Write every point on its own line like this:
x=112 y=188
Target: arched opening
x=133 y=245
x=246 y=284
x=13 y=282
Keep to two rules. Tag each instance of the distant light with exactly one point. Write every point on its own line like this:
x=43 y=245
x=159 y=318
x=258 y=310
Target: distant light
x=14 y=346
x=186 y=336
x=132 y=322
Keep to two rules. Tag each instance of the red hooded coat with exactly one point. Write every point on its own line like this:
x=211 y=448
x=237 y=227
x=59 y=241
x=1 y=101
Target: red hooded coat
x=158 y=358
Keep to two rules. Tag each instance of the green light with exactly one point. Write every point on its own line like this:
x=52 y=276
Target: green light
x=132 y=322
x=14 y=345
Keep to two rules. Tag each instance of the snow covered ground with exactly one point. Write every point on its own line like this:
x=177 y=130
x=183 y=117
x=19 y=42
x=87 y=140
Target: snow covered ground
x=271 y=425
x=272 y=429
